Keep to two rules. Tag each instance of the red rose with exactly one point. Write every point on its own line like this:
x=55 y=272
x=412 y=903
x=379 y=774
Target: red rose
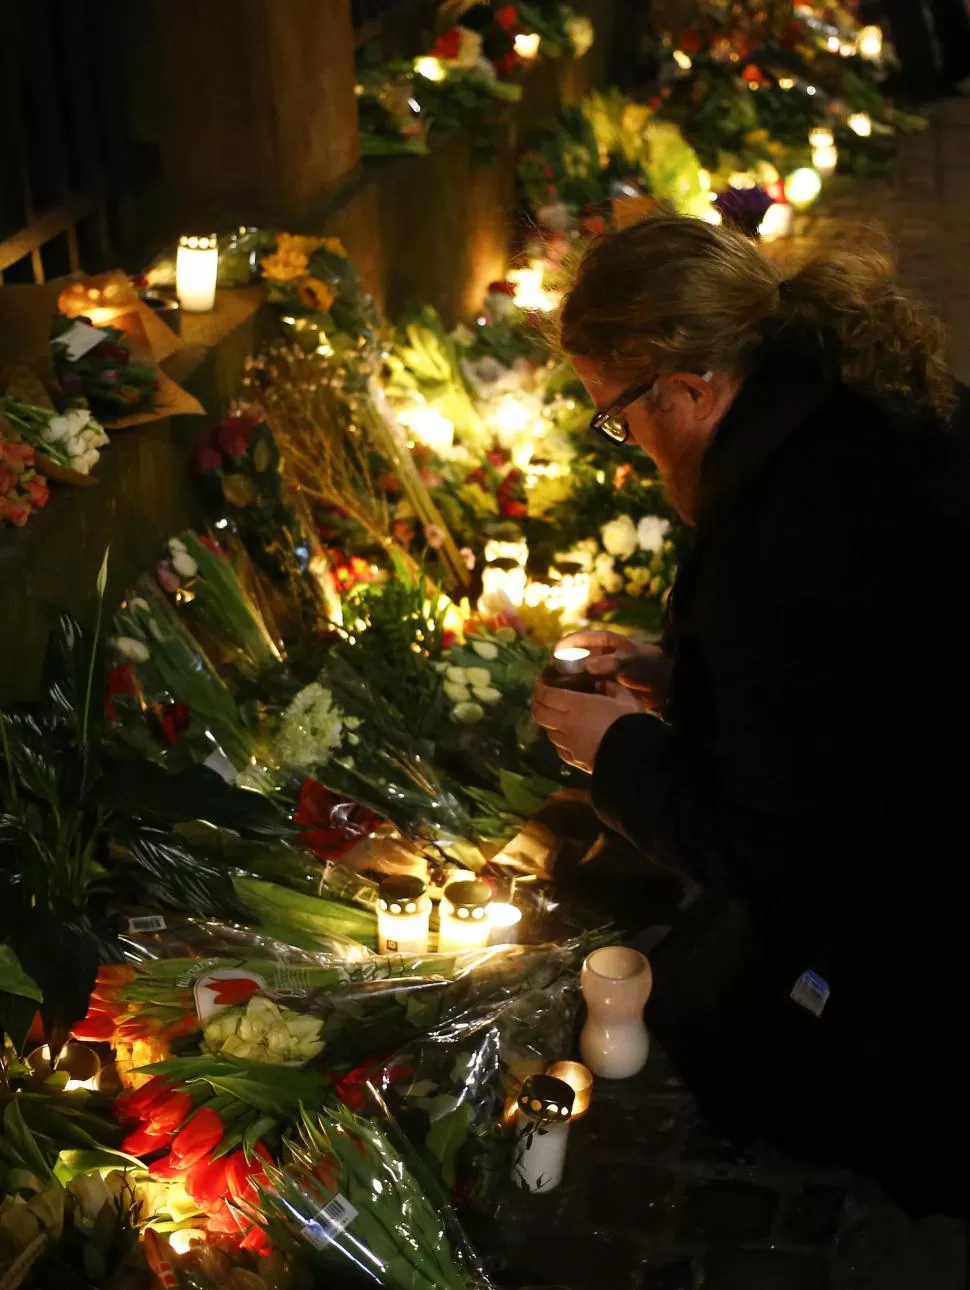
x=448 y=45
x=203 y=1132
x=232 y=439
x=513 y=510
x=507 y=17
x=503 y=288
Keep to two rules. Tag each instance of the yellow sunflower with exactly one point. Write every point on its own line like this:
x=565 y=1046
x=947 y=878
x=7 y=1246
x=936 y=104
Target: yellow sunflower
x=315 y=294
x=285 y=264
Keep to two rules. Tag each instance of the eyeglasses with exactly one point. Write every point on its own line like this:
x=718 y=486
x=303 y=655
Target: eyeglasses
x=611 y=423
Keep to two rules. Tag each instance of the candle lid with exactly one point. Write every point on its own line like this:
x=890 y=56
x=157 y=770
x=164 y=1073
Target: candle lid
x=468 y=898
x=543 y=1097
x=400 y=894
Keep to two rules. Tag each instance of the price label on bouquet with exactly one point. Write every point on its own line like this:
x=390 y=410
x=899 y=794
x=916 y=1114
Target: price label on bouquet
x=220 y=763
x=146 y=923
x=224 y=988
x=333 y=1219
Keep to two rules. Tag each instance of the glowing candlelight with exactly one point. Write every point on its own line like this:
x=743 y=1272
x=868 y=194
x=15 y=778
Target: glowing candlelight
x=580 y=1080
x=526 y=45
x=184 y=1238
x=430 y=68
x=861 y=124
x=779 y=221
x=503 y=919
x=821 y=137
x=529 y=290
x=682 y=60
x=403 y=915
x=430 y=428
x=570 y=659
x=464 y=917
x=870 y=42
x=802 y=187
x=196 y=266
x=825 y=160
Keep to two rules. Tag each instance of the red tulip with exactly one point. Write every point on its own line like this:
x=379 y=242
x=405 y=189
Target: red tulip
x=94 y=1030
x=138 y=1102
x=203 y=1132
x=166 y=1168
x=115 y=974
x=206 y=1181
x=224 y=1218
x=242 y=1174
x=142 y=1142
x=257 y=1241
x=170 y=1112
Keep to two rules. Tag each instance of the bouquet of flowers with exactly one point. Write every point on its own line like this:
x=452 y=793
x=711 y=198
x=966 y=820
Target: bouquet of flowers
x=352 y=1204
x=391 y=122
x=106 y=377
x=71 y=440
x=23 y=490
x=340 y=732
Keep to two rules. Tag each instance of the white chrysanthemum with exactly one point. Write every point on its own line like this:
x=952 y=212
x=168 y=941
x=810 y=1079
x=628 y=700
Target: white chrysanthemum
x=312 y=729
x=619 y=537
x=651 y=532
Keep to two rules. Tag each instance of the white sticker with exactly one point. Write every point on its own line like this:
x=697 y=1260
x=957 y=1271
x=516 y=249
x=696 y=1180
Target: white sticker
x=80 y=340
x=224 y=988
x=147 y=923
x=220 y=763
x=811 y=992
x=330 y=1222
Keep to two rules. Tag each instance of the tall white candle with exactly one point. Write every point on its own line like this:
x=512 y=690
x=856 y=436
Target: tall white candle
x=541 y=1128
x=464 y=922
x=196 y=267
x=403 y=915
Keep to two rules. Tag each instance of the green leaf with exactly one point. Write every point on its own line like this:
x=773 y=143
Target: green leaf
x=102 y=579
x=19 y=1137
x=447 y=1136
x=13 y=978
x=144 y=789
x=185 y=879
x=70 y=1164
x=67 y=664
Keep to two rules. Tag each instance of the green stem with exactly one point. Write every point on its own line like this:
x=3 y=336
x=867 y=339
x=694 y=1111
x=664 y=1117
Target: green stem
x=6 y=753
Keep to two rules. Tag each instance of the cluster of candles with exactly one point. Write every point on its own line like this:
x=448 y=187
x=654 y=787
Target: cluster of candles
x=469 y=919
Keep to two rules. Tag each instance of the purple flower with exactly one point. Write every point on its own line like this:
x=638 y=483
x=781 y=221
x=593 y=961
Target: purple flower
x=744 y=208
x=167 y=577
x=71 y=383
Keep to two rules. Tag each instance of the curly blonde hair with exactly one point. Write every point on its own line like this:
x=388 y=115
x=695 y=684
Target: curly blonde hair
x=672 y=293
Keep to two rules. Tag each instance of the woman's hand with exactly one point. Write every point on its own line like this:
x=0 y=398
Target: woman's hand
x=576 y=723
x=643 y=669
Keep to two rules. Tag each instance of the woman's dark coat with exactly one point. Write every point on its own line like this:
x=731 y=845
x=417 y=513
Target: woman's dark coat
x=812 y=766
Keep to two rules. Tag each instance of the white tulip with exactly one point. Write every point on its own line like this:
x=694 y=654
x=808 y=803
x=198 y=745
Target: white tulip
x=467 y=714
x=457 y=693
x=478 y=676
x=487 y=693
x=57 y=428
x=132 y=649
x=183 y=564
x=485 y=649
x=456 y=675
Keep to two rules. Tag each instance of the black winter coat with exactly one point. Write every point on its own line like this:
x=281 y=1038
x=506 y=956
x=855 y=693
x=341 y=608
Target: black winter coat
x=812 y=765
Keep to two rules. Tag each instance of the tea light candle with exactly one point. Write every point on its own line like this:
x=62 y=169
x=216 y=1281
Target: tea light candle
x=861 y=124
x=196 y=266
x=403 y=916
x=825 y=159
x=779 y=221
x=870 y=42
x=580 y=1080
x=464 y=917
x=503 y=920
x=570 y=659
x=541 y=1128
x=821 y=137
x=526 y=45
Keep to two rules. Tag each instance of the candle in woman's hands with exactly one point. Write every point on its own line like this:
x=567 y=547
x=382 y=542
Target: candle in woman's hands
x=570 y=659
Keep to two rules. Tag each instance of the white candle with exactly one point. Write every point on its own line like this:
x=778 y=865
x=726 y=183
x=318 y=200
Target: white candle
x=403 y=916
x=541 y=1128
x=503 y=921
x=464 y=922
x=508 y=582
x=526 y=44
x=802 y=187
x=570 y=659
x=821 y=137
x=196 y=266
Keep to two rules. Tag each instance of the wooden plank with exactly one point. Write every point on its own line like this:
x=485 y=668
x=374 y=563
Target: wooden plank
x=30 y=239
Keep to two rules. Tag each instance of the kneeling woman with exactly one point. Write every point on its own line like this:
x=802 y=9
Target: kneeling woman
x=805 y=755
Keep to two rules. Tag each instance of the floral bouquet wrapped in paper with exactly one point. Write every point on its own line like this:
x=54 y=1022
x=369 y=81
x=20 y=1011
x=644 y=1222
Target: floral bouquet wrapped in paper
x=352 y=1202
x=68 y=442
x=107 y=377
x=339 y=732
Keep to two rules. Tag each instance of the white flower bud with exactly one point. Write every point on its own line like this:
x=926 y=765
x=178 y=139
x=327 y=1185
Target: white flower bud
x=478 y=676
x=487 y=694
x=132 y=649
x=485 y=649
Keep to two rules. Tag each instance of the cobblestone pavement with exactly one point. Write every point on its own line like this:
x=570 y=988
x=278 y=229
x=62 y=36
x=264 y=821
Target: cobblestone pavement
x=652 y=1198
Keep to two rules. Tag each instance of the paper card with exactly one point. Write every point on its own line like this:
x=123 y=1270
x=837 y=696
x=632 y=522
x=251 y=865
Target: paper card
x=224 y=988
x=79 y=340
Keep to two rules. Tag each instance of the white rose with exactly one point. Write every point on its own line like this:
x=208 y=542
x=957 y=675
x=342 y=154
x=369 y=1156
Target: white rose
x=485 y=649
x=619 y=537
x=183 y=564
x=651 y=532
x=132 y=649
x=478 y=676
x=487 y=694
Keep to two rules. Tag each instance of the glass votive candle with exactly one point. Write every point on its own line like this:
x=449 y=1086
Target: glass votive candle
x=503 y=920
x=464 y=922
x=580 y=1080
x=403 y=916
x=196 y=270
